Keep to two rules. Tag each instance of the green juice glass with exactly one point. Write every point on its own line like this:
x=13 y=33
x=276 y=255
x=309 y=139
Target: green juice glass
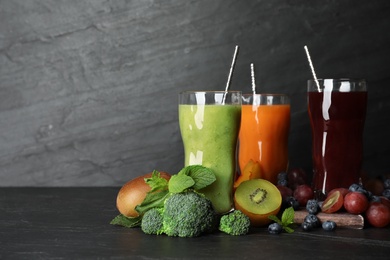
x=209 y=125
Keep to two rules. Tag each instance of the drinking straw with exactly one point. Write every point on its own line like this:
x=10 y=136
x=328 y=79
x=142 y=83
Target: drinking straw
x=253 y=79
x=230 y=73
x=312 y=68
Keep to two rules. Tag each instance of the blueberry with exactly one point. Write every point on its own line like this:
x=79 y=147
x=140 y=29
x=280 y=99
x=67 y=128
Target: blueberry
x=282 y=182
x=386 y=183
x=282 y=176
x=275 y=228
x=359 y=188
x=375 y=198
x=355 y=187
x=386 y=193
x=312 y=219
x=292 y=202
x=369 y=194
x=312 y=206
x=329 y=225
x=306 y=226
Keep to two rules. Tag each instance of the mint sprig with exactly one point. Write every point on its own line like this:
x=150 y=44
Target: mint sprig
x=190 y=177
x=286 y=221
x=200 y=175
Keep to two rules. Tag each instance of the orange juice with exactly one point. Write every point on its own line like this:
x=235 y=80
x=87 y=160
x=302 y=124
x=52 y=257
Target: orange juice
x=263 y=136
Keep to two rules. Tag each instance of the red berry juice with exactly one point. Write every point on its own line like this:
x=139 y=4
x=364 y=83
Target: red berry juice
x=337 y=122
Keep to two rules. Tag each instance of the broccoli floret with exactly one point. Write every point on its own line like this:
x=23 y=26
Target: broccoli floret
x=235 y=223
x=152 y=222
x=188 y=214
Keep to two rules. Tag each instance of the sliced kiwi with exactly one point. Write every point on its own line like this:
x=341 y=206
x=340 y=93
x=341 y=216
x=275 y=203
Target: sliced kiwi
x=258 y=199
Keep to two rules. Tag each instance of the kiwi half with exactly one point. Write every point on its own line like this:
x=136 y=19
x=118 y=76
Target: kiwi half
x=258 y=199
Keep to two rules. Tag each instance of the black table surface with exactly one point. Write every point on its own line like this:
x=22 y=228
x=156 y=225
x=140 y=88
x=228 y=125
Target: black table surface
x=73 y=223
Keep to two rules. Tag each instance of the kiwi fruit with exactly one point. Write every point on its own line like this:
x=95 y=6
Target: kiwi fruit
x=258 y=199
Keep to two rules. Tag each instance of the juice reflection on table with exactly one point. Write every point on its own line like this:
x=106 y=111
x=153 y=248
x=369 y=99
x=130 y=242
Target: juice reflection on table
x=209 y=131
x=263 y=137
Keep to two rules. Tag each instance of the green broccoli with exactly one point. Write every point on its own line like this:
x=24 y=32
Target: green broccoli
x=152 y=222
x=235 y=223
x=188 y=214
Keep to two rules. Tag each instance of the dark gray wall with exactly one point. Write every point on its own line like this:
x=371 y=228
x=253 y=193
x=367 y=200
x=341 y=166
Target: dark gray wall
x=88 y=89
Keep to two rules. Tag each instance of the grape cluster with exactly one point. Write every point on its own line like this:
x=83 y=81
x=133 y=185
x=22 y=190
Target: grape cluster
x=372 y=200
x=296 y=193
x=294 y=188
x=376 y=209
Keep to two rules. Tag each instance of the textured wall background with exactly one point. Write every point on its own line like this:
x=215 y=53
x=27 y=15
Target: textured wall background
x=88 y=89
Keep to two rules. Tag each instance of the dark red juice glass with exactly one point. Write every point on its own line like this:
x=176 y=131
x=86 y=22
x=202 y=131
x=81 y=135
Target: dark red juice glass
x=337 y=110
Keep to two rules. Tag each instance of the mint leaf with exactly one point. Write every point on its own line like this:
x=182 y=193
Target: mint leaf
x=179 y=183
x=276 y=219
x=201 y=175
x=156 y=182
x=287 y=219
x=152 y=200
x=288 y=229
x=288 y=216
x=122 y=220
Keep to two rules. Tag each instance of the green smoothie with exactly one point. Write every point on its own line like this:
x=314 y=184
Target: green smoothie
x=209 y=134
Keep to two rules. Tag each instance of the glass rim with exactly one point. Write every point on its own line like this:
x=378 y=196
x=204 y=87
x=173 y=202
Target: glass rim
x=265 y=94
x=337 y=85
x=210 y=91
x=339 y=79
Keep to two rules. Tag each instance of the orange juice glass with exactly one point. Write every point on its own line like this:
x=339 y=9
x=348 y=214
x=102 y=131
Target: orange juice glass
x=263 y=137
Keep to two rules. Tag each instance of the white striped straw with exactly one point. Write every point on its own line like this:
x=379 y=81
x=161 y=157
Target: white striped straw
x=253 y=79
x=230 y=73
x=312 y=68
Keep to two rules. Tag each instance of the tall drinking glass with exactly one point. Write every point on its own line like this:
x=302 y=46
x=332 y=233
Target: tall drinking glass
x=263 y=138
x=337 y=110
x=209 y=124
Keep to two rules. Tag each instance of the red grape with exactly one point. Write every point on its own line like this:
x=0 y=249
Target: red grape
x=303 y=193
x=285 y=191
x=296 y=177
x=355 y=202
x=333 y=203
x=378 y=214
x=343 y=191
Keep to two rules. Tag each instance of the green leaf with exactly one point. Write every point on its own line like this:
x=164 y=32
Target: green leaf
x=287 y=219
x=152 y=200
x=122 y=220
x=202 y=176
x=179 y=183
x=275 y=218
x=288 y=229
x=156 y=182
x=185 y=171
x=288 y=216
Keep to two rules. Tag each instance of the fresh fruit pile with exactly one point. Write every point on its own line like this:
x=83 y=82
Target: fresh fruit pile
x=257 y=202
x=358 y=200
x=371 y=201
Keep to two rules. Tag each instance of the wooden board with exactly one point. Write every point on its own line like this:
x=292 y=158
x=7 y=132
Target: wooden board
x=343 y=219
